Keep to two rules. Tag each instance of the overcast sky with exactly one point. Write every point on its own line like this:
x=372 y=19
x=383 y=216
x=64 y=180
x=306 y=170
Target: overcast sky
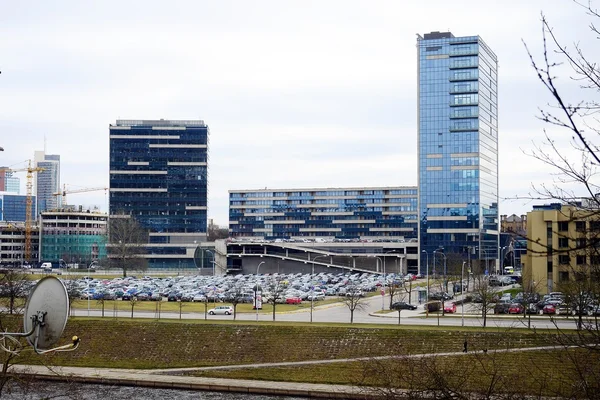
x=296 y=93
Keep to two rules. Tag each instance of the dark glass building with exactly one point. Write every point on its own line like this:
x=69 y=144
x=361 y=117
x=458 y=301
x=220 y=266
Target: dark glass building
x=159 y=174
x=458 y=146
x=363 y=213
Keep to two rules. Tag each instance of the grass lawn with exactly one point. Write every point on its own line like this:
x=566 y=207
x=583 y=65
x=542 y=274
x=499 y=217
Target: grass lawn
x=187 y=307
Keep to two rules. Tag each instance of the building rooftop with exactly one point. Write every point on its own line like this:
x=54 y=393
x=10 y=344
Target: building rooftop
x=160 y=122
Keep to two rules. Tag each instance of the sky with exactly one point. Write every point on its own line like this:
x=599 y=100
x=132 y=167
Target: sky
x=297 y=94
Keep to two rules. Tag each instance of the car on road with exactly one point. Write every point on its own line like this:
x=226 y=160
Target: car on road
x=221 y=310
x=450 y=308
x=401 y=305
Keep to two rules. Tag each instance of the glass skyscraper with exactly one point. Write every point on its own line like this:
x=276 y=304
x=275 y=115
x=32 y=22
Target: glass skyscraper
x=458 y=146
x=158 y=175
x=47 y=182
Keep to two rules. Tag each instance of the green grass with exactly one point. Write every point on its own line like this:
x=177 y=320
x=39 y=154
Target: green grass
x=187 y=307
x=127 y=343
x=561 y=373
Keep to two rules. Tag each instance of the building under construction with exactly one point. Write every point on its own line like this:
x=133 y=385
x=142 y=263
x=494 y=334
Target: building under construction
x=12 y=244
x=73 y=238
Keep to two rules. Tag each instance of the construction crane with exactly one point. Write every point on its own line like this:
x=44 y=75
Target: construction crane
x=64 y=192
x=28 y=203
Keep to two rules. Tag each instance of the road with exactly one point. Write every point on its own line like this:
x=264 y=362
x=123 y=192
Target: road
x=339 y=313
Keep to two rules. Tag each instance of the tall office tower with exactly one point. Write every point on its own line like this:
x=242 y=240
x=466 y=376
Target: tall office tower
x=9 y=183
x=159 y=175
x=458 y=148
x=47 y=182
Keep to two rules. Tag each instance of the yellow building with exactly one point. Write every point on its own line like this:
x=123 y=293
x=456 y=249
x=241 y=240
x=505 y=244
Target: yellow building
x=558 y=246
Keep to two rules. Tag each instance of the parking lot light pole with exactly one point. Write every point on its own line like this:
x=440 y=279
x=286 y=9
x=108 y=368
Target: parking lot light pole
x=312 y=285
x=256 y=290
x=384 y=280
x=427 y=271
x=462 y=292
x=213 y=256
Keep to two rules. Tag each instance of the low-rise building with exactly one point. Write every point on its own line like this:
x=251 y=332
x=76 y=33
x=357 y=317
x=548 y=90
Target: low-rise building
x=560 y=246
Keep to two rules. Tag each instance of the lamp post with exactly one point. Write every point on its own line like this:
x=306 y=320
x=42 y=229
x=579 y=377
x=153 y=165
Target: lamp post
x=439 y=251
x=501 y=260
x=462 y=292
x=427 y=254
x=256 y=290
x=384 y=278
x=312 y=285
x=486 y=258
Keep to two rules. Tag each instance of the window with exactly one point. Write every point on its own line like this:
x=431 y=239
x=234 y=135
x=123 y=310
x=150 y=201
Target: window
x=580 y=226
x=563 y=226
x=581 y=260
x=581 y=243
x=563 y=242
x=564 y=259
x=563 y=276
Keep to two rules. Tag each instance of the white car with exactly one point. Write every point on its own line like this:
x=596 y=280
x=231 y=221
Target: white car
x=226 y=310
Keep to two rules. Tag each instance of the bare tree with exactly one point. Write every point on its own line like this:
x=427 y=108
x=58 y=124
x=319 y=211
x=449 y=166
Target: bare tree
x=14 y=284
x=235 y=296
x=353 y=299
x=127 y=244
x=275 y=292
x=483 y=295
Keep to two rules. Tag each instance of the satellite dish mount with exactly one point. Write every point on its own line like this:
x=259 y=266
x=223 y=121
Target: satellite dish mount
x=44 y=320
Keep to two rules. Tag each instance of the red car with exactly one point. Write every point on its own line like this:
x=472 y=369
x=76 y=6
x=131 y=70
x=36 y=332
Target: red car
x=293 y=300
x=548 y=309
x=450 y=308
x=516 y=308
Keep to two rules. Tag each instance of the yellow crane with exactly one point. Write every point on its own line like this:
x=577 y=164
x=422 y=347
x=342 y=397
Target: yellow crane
x=66 y=191
x=28 y=203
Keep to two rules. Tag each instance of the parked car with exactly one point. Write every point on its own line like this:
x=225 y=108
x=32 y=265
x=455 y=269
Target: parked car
x=516 y=308
x=441 y=296
x=401 y=305
x=501 y=308
x=450 y=308
x=293 y=300
x=548 y=309
x=223 y=310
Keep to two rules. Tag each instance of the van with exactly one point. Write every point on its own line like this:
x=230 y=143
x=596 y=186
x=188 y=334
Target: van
x=509 y=270
x=46 y=266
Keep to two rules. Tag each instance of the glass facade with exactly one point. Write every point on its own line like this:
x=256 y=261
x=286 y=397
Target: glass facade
x=13 y=208
x=159 y=175
x=458 y=145
x=72 y=237
x=346 y=213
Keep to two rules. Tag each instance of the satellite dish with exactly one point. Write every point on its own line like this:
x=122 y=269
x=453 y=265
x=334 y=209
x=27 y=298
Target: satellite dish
x=47 y=309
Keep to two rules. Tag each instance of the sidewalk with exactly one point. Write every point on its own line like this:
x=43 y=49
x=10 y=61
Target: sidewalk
x=129 y=377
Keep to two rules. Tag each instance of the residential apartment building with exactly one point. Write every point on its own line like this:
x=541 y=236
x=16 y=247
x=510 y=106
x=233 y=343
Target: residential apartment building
x=362 y=213
x=47 y=182
x=159 y=176
x=458 y=146
x=558 y=246
x=72 y=237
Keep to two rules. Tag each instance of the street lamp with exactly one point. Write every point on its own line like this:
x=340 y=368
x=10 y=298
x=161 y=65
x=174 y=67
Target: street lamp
x=427 y=254
x=256 y=290
x=462 y=292
x=486 y=258
x=502 y=260
x=440 y=251
x=312 y=285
